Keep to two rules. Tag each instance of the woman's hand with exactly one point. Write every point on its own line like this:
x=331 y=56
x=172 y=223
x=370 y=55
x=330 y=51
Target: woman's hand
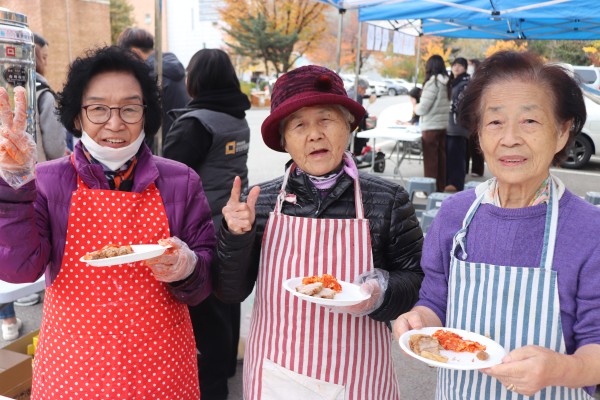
x=176 y=263
x=15 y=144
x=417 y=318
x=17 y=148
x=373 y=282
x=238 y=215
x=529 y=369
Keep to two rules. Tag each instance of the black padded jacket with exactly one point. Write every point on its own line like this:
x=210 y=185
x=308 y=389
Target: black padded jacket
x=396 y=237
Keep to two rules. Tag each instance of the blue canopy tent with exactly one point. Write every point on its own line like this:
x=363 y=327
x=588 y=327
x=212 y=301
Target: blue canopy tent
x=488 y=19
x=483 y=19
x=491 y=19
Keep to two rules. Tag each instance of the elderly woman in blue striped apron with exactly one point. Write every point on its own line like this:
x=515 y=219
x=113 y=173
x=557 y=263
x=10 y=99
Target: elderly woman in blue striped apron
x=518 y=258
x=322 y=216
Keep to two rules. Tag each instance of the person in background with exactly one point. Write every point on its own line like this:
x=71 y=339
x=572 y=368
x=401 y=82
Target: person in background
x=516 y=259
x=51 y=144
x=456 y=136
x=322 y=216
x=211 y=136
x=120 y=331
x=357 y=93
x=173 y=93
x=474 y=156
x=433 y=111
x=51 y=136
x=11 y=325
x=414 y=95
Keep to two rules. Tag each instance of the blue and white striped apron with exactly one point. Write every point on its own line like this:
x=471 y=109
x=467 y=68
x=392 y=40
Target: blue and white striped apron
x=514 y=306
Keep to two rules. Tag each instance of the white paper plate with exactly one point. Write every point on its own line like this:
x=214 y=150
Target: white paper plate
x=140 y=252
x=349 y=295
x=458 y=360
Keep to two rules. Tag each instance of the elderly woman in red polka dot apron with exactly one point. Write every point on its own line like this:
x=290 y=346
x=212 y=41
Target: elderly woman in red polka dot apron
x=121 y=331
x=322 y=216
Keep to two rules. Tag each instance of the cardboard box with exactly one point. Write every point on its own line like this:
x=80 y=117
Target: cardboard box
x=15 y=373
x=16 y=368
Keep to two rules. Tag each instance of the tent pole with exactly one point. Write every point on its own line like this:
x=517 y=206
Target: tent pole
x=338 y=54
x=356 y=72
x=158 y=65
x=357 y=66
x=416 y=78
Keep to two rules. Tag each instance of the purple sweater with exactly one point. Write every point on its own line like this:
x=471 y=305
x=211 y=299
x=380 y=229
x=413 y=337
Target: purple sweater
x=514 y=237
x=33 y=219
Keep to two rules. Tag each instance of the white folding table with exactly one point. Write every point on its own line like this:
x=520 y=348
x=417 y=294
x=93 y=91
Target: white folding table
x=10 y=292
x=405 y=137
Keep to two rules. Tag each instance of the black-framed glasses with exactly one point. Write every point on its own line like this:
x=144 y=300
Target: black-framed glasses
x=100 y=114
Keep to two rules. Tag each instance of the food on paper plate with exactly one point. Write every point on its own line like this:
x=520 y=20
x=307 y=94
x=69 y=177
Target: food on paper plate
x=451 y=341
x=426 y=346
x=325 y=287
x=108 y=251
x=429 y=346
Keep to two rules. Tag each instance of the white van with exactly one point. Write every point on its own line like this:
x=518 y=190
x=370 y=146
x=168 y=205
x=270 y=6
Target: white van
x=587 y=143
x=588 y=75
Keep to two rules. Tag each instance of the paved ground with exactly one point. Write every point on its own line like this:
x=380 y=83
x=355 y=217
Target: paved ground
x=417 y=381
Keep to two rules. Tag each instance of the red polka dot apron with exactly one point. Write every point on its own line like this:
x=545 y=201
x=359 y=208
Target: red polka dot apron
x=301 y=351
x=113 y=332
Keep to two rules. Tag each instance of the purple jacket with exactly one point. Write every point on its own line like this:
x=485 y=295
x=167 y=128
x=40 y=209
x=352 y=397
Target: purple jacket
x=514 y=237
x=33 y=219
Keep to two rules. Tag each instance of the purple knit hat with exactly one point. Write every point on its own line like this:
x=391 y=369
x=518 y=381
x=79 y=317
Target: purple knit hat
x=303 y=87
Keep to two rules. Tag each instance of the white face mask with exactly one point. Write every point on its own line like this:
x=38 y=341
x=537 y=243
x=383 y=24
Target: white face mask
x=470 y=70
x=112 y=158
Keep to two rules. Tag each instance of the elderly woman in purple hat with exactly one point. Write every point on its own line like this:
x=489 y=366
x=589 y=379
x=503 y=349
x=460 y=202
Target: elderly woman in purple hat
x=321 y=217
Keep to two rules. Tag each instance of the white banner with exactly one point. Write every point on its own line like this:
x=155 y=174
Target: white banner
x=403 y=44
x=378 y=35
x=385 y=40
x=370 y=37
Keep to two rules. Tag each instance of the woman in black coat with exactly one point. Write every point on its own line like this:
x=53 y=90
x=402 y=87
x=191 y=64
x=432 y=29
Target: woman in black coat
x=211 y=136
x=322 y=217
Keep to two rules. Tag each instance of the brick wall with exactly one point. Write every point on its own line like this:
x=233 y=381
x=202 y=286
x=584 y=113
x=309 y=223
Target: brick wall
x=69 y=26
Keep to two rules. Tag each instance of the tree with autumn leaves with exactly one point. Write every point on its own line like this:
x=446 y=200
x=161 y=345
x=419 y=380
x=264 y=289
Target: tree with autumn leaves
x=276 y=32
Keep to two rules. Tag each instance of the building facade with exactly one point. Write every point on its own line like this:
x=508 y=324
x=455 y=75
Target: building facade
x=188 y=25
x=69 y=26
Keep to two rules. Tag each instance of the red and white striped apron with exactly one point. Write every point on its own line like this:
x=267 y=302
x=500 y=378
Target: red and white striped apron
x=299 y=350
x=113 y=332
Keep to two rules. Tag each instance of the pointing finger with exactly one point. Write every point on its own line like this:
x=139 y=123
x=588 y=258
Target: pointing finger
x=20 y=118
x=236 y=191
x=5 y=111
x=252 y=197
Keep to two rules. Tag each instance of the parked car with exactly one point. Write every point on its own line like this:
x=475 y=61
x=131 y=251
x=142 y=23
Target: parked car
x=348 y=80
x=588 y=75
x=395 y=88
x=587 y=143
x=408 y=85
x=378 y=88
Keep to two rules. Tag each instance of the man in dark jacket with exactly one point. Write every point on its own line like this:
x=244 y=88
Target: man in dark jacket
x=456 y=136
x=174 y=94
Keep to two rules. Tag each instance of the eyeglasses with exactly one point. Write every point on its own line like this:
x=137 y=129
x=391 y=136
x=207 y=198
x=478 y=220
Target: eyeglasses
x=100 y=114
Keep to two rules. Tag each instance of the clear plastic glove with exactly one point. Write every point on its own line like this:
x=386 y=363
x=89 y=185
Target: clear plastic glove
x=18 y=153
x=176 y=263
x=375 y=283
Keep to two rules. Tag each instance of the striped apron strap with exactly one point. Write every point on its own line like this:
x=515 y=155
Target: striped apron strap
x=515 y=306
